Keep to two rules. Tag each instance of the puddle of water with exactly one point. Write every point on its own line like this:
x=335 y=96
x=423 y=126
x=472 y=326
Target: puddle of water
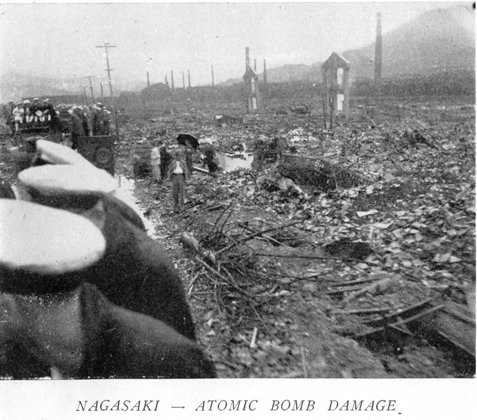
x=125 y=192
x=230 y=163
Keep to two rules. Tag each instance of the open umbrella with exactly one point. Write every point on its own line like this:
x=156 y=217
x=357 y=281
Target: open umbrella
x=183 y=138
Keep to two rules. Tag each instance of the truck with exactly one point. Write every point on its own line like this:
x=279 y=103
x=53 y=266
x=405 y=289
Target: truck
x=99 y=150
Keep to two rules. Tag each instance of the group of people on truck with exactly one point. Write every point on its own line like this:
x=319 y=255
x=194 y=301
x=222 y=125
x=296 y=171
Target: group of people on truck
x=79 y=120
x=31 y=114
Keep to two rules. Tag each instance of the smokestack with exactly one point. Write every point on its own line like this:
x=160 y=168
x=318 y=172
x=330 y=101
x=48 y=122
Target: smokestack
x=172 y=80
x=148 y=82
x=166 y=82
x=212 y=70
x=188 y=76
x=183 y=81
x=264 y=71
x=254 y=64
x=378 y=57
x=247 y=58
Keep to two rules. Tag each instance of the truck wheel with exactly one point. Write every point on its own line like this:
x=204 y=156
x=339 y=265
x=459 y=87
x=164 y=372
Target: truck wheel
x=103 y=156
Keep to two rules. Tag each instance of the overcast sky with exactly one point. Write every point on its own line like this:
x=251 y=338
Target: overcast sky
x=59 y=39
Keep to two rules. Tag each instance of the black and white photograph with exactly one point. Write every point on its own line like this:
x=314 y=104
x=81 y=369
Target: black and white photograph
x=280 y=190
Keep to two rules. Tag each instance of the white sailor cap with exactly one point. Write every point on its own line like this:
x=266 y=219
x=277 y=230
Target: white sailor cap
x=66 y=186
x=58 y=154
x=44 y=241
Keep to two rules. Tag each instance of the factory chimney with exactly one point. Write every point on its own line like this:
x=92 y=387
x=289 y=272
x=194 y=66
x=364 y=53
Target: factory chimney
x=264 y=71
x=247 y=58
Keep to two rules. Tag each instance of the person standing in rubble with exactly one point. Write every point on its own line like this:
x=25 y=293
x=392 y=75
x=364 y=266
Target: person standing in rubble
x=51 y=117
x=178 y=174
x=165 y=160
x=189 y=151
x=156 y=161
x=37 y=112
x=27 y=114
x=89 y=113
x=258 y=154
x=75 y=126
x=209 y=157
x=281 y=146
x=101 y=121
x=9 y=116
x=18 y=116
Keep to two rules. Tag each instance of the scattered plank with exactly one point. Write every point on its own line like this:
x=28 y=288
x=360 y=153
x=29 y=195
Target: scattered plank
x=375 y=288
x=456 y=324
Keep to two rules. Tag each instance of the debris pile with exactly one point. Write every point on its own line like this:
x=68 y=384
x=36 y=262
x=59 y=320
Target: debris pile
x=371 y=254
x=346 y=259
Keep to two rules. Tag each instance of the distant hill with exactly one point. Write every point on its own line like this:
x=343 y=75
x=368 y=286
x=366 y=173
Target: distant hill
x=294 y=72
x=440 y=39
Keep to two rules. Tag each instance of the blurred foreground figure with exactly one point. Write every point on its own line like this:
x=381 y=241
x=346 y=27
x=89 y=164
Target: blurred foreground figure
x=51 y=321
x=134 y=272
x=57 y=154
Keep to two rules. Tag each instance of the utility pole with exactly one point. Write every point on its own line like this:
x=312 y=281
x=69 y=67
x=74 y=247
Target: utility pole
x=212 y=71
x=147 y=79
x=101 y=89
x=172 y=80
x=378 y=59
x=106 y=46
x=91 y=87
x=188 y=76
x=85 y=97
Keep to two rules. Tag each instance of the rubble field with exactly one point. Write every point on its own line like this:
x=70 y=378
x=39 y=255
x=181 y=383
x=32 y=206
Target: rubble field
x=345 y=259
